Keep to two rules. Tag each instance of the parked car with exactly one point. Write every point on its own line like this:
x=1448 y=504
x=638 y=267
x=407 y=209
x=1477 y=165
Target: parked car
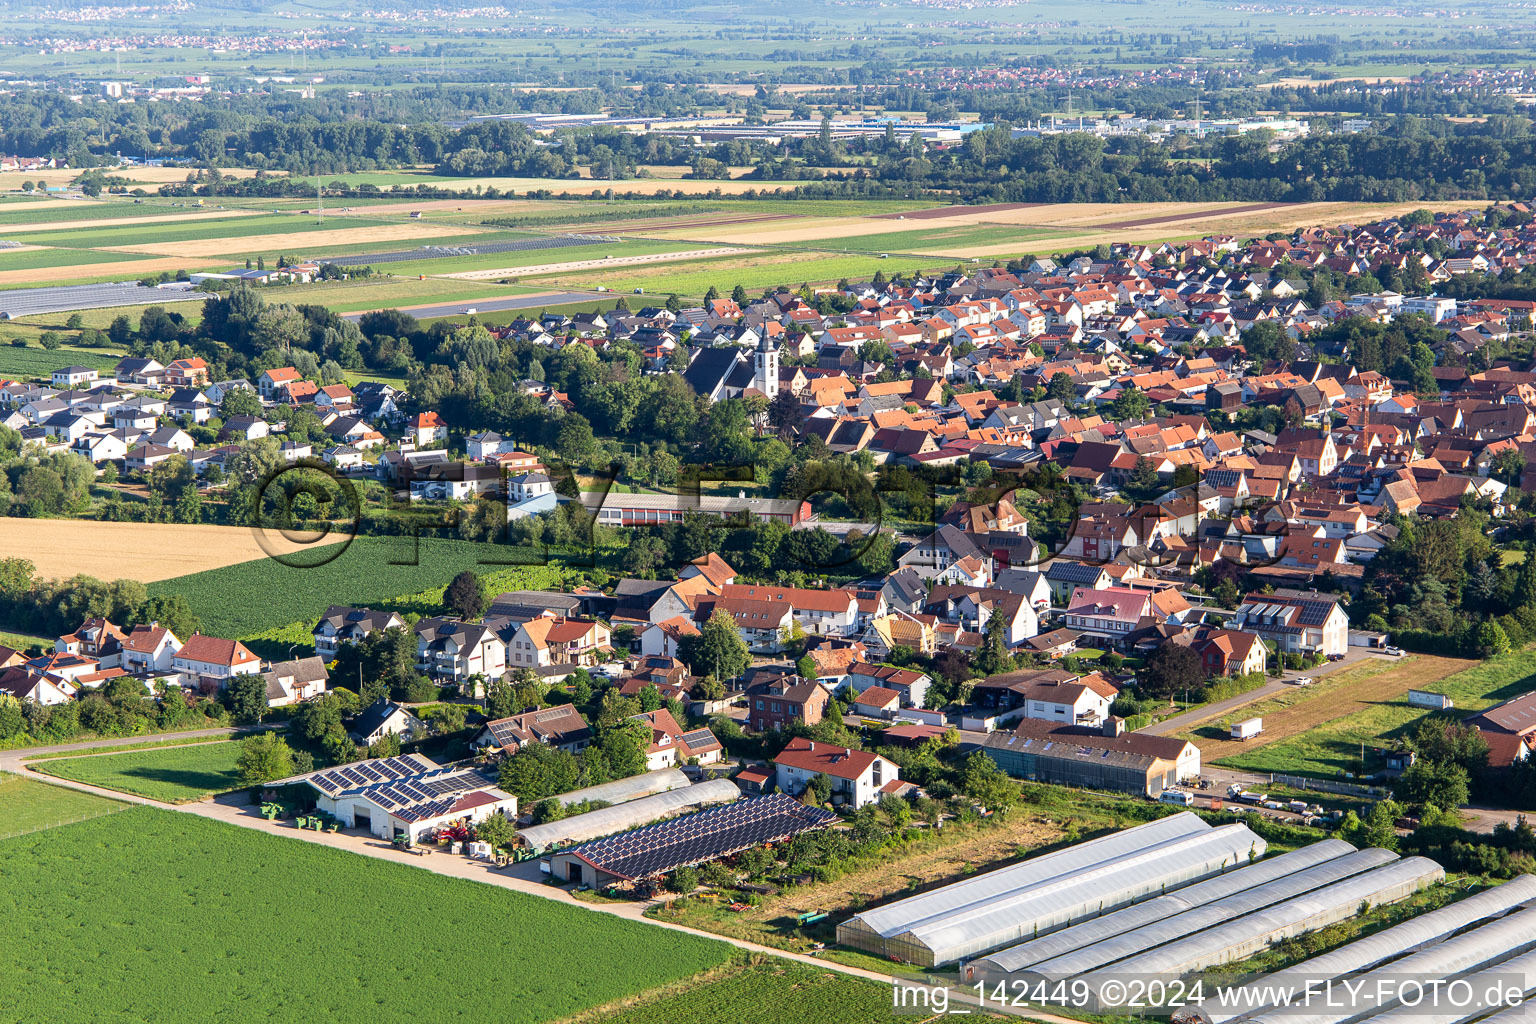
x=1396 y=652
x=1335 y=657
x=1303 y=681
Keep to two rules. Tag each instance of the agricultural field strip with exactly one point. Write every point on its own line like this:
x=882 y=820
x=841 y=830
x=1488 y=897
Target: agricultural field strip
x=173 y=774
x=225 y=892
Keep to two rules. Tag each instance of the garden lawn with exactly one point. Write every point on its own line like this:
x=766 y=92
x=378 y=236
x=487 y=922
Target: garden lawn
x=1330 y=748
x=174 y=918
x=252 y=597
x=26 y=804
x=172 y=774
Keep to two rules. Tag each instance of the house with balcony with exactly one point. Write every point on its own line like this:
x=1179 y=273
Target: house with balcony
x=342 y=624
x=454 y=651
x=555 y=640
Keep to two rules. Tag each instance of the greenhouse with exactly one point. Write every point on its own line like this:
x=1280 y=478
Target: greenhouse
x=1412 y=935
x=871 y=929
x=1442 y=1006
x=633 y=788
x=1198 y=920
x=1483 y=946
x=1253 y=933
x=1090 y=882
x=605 y=821
x=1056 y=944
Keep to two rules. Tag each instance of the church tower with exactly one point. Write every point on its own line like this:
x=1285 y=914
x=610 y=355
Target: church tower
x=765 y=367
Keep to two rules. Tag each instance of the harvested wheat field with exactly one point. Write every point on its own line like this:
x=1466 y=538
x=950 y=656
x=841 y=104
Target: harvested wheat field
x=406 y=231
x=405 y=207
x=10 y=180
x=146 y=552
x=1295 y=712
x=128 y=270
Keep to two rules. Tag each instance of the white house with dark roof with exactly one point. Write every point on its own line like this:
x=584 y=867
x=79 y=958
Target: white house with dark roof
x=406 y=796
x=1297 y=621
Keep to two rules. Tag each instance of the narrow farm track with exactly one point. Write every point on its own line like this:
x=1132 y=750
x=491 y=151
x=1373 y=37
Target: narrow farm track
x=1423 y=670
x=243 y=815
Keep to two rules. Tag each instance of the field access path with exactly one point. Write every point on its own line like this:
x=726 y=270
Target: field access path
x=235 y=809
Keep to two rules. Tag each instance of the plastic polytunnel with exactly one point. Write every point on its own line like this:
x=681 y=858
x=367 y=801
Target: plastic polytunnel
x=1486 y=944
x=1253 y=933
x=1200 y=919
x=1362 y=954
x=1027 y=954
x=872 y=930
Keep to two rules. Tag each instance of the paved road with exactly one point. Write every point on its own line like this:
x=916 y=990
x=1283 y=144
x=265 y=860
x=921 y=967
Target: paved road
x=1193 y=717
x=539 y=301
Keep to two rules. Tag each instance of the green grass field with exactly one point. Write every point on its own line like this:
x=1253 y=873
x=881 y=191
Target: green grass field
x=182 y=919
x=38 y=259
x=249 y=597
x=762 y=992
x=26 y=805
x=39 y=362
x=694 y=279
x=210 y=225
x=1334 y=747
x=83 y=209
x=171 y=774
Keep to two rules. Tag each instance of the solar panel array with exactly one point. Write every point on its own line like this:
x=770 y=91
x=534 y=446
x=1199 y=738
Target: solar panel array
x=432 y=252
x=410 y=789
x=27 y=301
x=695 y=838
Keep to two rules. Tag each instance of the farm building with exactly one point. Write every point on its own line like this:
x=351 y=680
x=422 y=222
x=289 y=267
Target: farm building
x=406 y=795
x=1253 y=933
x=650 y=852
x=1130 y=762
x=1138 y=915
x=1198 y=919
x=1045 y=893
x=633 y=788
x=605 y=821
x=1412 y=935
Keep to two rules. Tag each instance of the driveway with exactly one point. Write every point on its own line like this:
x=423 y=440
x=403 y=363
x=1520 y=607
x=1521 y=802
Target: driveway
x=1187 y=720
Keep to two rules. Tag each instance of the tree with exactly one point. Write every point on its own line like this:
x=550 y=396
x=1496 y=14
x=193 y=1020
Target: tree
x=993 y=656
x=246 y=699
x=450 y=718
x=465 y=596
x=1062 y=389
x=265 y=757
x=1440 y=783
x=497 y=831
x=819 y=790
x=1172 y=668
x=718 y=650
x=987 y=784
x=12 y=721
x=1130 y=404
x=239 y=402
x=537 y=771
x=1490 y=640
x=624 y=745
x=1450 y=742
x=173 y=478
